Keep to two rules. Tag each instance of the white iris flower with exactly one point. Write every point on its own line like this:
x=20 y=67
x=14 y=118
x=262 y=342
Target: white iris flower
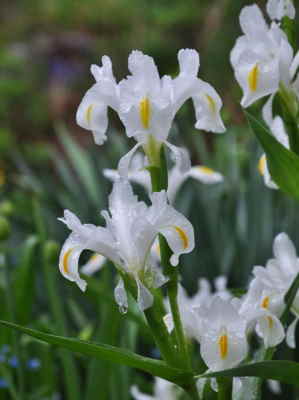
x=131 y=228
x=138 y=174
x=223 y=341
x=279 y=275
x=262 y=58
x=147 y=104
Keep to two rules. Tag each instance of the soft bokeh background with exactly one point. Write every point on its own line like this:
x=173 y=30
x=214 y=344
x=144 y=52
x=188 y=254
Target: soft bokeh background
x=47 y=163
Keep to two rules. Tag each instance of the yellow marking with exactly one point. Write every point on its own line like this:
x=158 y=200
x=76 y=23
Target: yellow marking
x=223 y=346
x=265 y=302
x=270 y=321
x=253 y=78
x=262 y=165
x=183 y=236
x=94 y=257
x=145 y=112
x=88 y=113
x=206 y=170
x=65 y=261
x=211 y=102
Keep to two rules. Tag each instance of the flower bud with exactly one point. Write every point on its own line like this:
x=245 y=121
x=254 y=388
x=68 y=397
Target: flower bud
x=4 y=228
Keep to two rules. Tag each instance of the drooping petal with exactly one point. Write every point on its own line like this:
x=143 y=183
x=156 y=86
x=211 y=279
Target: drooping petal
x=120 y=295
x=290 y=335
x=69 y=261
x=277 y=9
x=205 y=174
x=270 y=329
x=177 y=230
x=207 y=104
x=181 y=156
x=144 y=297
x=125 y=161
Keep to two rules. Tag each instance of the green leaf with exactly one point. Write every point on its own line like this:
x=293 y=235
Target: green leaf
x=283 y=163
x=109 y=353
x=23 y=281
x=283 y=371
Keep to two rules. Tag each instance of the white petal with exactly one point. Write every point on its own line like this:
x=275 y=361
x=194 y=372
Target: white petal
x=277 y=9
x=69 y=260
x=267 y=111
x=252 y=21
x=270 y=329
x=94 y=264
x=125 y=161
x=181 y=156
x=143 y=67
x=168 y=321
x=274 y=386
x=188 y=62
x=294 y=65
x=144 y=297
x=120 y=295
x=177 y=230
x=207 y=104
x=290 y=336
x=205 y=174
x=285 y=252
x=105 y=72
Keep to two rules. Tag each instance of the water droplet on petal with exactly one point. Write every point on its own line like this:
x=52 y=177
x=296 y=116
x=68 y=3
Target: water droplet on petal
x=123 y=310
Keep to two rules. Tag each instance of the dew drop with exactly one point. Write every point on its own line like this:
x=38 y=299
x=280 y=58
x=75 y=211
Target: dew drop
x=123 y=310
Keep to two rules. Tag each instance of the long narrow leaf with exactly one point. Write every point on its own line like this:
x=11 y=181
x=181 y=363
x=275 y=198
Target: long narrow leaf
x=108 y=353
x=284 y=371
x=283 y=163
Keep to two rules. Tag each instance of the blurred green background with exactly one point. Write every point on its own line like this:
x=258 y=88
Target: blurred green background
x=47 y=164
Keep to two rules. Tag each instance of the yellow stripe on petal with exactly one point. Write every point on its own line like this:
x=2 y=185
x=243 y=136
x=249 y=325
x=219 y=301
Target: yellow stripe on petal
x=94 y=257
x=253 y=78
x=262 y=165
x=270 y=322
x=265 y=302
x=211 y=103
x=206 y=170
x=182 y=236
x=223 y=346
x=88 y=113
x=145 y=112
x=65 y=261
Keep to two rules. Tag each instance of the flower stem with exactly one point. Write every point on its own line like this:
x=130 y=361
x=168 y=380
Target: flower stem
x=159 y=179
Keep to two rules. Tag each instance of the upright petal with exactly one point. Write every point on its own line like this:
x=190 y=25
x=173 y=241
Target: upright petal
x=188 y=62
x=252 y=21
x=285 y=253
x=277 y=9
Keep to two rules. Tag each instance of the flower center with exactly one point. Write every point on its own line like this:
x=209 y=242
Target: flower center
x=223 y=346
x=265 y=302
x=145 y=112
x=65 y=261
x=182 y=236
x=253 y=78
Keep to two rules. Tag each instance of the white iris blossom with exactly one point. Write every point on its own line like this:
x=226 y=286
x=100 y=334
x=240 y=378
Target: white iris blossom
x=131 y=228
x=262 y=58
x=262 y=307
x=279 y=275
x=277 y=9
x=163 y=390
x=223 y=341
x=188 y=305
x=147 y=104
x=277 y=128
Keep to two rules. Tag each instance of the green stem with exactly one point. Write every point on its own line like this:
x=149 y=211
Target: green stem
x=224 y=388
x=159 y=179
x=16 y=336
